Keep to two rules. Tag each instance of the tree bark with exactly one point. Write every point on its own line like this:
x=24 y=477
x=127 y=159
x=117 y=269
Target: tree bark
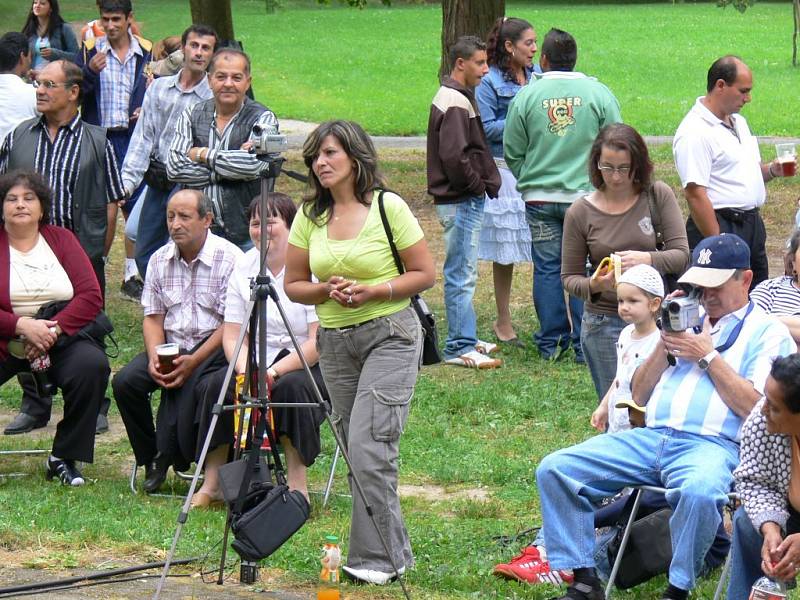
x=796 y=17
x=216 y=13
x=466 y=17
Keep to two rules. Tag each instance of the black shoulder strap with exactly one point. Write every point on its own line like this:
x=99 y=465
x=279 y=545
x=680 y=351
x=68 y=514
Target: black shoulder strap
x=655 y=217
x=388 y=229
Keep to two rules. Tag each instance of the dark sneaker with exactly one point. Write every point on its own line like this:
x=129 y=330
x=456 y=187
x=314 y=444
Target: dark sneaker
x=132 y=289
x=65 y=470
x=584 y=591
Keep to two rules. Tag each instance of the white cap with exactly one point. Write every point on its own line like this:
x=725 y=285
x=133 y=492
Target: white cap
x=645 y=278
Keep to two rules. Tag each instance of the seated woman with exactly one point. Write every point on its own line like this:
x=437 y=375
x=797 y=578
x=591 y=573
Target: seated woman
x=39 y=264
x=297 y=428
x=780 y=296
x=766 y=529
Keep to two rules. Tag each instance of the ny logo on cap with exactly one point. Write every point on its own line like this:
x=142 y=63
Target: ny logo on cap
x=704 y=258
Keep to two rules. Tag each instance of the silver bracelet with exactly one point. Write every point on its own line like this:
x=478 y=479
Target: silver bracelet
x=391 y=291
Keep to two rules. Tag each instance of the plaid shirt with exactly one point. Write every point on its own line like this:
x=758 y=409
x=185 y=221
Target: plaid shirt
x=190 y=296
x=59 y=163
x=164 y=103
x=117 y=83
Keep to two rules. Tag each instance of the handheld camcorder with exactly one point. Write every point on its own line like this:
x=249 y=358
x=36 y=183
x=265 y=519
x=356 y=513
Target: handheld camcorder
x=682 y=313
x=266 y=141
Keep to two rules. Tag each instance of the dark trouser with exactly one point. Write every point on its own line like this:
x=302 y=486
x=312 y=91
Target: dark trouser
x=40 y=408
x=81 y=371
x=175 y=431
x=749 y=226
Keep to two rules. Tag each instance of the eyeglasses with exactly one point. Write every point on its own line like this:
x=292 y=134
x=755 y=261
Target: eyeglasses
x=49 y=85
x=607 y=170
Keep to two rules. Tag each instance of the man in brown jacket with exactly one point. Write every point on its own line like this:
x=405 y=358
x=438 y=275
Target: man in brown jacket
x=461 y=174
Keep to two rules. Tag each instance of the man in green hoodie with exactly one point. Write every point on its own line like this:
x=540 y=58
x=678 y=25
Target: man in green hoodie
x=550 y=127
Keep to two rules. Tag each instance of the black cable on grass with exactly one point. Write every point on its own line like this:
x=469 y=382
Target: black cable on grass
x=85 y=584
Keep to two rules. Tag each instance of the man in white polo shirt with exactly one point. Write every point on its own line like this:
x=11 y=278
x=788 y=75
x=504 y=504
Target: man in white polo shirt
x=720 y=166
x=695 y=411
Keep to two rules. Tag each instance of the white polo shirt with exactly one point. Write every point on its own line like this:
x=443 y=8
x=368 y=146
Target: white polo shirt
x=18 y=100
x=707 y=153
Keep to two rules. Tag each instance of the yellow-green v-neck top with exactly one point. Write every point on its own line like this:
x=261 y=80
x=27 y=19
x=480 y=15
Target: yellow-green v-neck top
x=367 y=258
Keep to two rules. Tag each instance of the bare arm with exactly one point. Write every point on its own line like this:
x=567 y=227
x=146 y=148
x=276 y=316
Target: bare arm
x=309 y=349
x=153 y=332
x=185 y=364
x=793 y=323
x=701 y=210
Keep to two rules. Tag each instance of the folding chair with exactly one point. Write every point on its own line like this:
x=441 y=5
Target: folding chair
x=732 y=497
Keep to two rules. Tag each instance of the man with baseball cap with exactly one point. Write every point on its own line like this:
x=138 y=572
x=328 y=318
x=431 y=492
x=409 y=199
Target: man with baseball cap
x=694 y=413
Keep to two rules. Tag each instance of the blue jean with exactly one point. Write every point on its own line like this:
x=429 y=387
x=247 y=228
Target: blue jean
x=132 y=222
x=599 y=337
x=695 y=469
x=462 y=228
x=745 y=556
x=546 y=222
x=152 y=232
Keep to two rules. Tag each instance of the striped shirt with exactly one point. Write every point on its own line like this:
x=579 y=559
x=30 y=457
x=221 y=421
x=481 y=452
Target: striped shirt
x=59 y=162
x=685 y=398
x=191 y=296
x=778 y=296
x=116 y=82
x=222 y=162
x=164 y=103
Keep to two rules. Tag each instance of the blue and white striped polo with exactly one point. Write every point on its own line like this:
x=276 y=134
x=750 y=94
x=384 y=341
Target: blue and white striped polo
x=685 y=398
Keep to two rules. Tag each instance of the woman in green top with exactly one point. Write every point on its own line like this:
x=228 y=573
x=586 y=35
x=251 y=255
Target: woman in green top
x=370 y=339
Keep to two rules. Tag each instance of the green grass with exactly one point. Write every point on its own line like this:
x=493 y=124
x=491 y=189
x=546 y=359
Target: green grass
x=378 y=66
x=470 y=435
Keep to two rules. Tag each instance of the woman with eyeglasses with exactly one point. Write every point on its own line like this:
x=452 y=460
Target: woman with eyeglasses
x=622 y=216
x=49 y=37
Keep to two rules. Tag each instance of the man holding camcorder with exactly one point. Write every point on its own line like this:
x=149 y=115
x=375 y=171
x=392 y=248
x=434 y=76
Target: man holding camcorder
x=695 y=410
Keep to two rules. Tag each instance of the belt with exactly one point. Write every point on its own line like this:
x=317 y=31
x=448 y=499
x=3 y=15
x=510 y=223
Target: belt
x=355 y=326
x=737 y=215
x=116 y=129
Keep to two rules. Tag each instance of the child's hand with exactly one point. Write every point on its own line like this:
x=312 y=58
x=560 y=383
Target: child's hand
x=600 y=417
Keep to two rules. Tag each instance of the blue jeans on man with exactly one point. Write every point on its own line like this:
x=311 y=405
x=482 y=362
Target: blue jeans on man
x=546 y=222
x=462 y=226
x=697 y=470
x=152 y=232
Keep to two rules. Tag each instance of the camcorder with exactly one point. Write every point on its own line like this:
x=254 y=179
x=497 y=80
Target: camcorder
x=682 y=313
x=266 y=141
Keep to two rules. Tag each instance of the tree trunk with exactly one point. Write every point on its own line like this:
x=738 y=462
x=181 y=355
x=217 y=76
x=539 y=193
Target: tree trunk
x=466 y=17
x=796 y=18
x=216 y=13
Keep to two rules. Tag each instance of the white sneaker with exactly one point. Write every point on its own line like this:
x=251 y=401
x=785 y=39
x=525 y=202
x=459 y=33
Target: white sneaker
x=370 y=576
x=475 y=360
x=486 y=347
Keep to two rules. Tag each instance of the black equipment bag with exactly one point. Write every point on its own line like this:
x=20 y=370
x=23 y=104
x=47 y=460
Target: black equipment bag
x=649 y=549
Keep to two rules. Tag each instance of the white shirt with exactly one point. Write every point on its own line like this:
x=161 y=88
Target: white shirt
x=18 y=100
x=298 y=315
x=708 y=153
x=36 y=278
x=631 y=353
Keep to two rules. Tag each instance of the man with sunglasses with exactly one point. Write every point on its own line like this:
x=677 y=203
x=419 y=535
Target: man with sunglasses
x=549 y=131
x=720 y=165
x=79 y=164
x=696 y=404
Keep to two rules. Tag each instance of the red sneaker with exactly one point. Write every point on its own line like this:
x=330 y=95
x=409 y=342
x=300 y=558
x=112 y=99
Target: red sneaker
x=528 y=567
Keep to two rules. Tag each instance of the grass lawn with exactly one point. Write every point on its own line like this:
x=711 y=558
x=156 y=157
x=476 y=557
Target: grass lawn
x=378 y=66
x=469 y=454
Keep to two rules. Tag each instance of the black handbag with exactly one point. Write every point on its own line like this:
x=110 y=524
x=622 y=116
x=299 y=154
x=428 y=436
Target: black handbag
x=430 y=344
x=264 y=515
x=649 y=549
x=95 y=331
x=156 y=176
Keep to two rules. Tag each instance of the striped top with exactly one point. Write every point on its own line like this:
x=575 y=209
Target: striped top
x=778 y=296
x=58 y=161
x=685 y=398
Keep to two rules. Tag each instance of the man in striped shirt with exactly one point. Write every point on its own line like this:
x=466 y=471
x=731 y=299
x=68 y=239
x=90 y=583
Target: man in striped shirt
x=695 y=411
x=79 y=164
x=210 y=150
x=184 y=304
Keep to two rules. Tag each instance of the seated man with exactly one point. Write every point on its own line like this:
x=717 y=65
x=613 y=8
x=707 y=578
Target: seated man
x=184 y=304
x=695 y=411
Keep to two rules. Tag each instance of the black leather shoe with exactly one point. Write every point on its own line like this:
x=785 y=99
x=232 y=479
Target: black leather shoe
x=23 y=423
x=65 y=470
x=102 y=424
x=155 y=472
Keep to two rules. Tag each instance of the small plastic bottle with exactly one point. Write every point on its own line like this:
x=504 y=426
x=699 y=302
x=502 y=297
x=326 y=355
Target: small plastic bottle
x=768 y=589
x=329 y=576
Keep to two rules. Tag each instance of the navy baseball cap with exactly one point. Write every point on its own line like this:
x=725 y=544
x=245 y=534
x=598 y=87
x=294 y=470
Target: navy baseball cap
x=715 y=259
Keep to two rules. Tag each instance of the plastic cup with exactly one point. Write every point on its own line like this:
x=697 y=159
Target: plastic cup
x=167 y=353
x=787 y=158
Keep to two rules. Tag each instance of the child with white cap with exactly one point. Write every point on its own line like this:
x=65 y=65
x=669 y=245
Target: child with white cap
x=640 y=291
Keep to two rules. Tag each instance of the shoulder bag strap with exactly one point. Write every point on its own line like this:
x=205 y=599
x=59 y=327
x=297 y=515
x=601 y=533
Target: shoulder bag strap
x=387 y=228
x=655 y=218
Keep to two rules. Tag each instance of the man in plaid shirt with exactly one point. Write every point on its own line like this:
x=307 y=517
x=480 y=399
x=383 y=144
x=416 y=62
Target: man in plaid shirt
x=184 y=304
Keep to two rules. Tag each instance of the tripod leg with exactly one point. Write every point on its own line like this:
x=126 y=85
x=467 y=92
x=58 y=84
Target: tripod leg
x=329 y=486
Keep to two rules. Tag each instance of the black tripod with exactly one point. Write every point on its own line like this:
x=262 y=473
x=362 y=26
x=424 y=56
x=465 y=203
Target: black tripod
x=256 y=311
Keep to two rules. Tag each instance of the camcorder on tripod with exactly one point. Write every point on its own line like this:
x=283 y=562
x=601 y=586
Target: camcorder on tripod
x=262 y=512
